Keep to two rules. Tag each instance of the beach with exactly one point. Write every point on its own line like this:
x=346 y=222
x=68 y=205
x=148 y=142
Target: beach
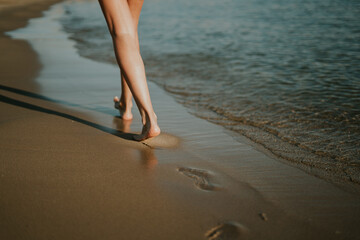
x=70 y=169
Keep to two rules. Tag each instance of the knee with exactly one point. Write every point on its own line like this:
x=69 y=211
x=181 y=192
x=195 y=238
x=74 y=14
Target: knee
x=120 y=33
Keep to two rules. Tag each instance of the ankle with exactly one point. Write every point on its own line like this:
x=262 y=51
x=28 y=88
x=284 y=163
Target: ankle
x=150 y=118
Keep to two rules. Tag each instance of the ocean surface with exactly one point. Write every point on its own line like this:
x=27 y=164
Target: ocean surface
x=285 y=74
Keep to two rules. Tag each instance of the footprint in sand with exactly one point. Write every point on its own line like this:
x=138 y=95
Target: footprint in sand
x=227 y=231
x=201 y=178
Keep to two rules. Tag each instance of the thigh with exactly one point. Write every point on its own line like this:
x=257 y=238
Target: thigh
x=118 y=17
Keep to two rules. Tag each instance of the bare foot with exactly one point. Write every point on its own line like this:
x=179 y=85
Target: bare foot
x=125 y=111
x=148 y=131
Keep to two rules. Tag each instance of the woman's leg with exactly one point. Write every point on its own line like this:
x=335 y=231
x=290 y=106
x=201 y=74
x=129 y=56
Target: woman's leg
x=121 y=26
x=125 y=101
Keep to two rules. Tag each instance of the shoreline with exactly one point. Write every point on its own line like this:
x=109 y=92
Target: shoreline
x=190 y=189
x=14 y=16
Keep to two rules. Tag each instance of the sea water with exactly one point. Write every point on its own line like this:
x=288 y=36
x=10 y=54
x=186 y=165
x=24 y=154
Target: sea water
x=283 y=73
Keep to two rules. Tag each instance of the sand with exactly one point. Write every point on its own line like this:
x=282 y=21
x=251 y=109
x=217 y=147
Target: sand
x=70 y=171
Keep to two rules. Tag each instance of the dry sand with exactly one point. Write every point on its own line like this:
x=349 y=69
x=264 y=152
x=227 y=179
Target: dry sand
x=69 y=171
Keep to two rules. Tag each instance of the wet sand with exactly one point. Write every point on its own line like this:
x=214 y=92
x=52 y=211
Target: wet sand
x=70 y=171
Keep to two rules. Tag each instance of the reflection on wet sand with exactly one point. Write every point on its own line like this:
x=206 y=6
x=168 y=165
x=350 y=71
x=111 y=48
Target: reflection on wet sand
x=148 y=159
x=147 y=156
x=122 y=125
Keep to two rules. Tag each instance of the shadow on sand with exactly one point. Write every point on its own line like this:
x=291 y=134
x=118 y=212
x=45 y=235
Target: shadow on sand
x=127 y=136
x=62 y=102
x=165 y=140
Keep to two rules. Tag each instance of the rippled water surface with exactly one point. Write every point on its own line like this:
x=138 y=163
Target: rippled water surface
x=283 y=73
